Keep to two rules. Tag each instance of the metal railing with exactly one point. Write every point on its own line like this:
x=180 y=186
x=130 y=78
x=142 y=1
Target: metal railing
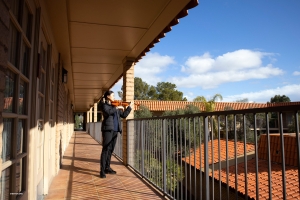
x=94 y=129
x=218 y=155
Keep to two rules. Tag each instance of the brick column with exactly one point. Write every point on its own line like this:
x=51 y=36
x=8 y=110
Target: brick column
x=95 y=112
x=128 y=95
x=91 y=114
x=88 y=117
x=4 y=39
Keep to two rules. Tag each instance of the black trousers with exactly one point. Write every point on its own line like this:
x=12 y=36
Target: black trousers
x=109 y=139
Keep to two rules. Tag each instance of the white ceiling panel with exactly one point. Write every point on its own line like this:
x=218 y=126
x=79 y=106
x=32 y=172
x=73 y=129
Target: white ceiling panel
x=91 y=76
x=142 y=13
x=89 y=83
x=104 y=36
x=86 y=55
x=94 y=68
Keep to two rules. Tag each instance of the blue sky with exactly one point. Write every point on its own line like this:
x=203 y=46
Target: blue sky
x=237 y=48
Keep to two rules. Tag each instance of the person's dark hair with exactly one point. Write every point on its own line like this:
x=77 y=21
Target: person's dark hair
x=107 y=93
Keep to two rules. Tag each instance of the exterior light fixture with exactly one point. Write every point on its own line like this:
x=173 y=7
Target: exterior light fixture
x=64 y=75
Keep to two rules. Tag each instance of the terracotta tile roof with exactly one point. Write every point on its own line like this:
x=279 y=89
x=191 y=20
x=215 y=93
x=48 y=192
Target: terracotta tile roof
x=292 y=183
x=290 y=148
x=291 y=167
x=231 y=152
x=283 y=104
x=155 y=105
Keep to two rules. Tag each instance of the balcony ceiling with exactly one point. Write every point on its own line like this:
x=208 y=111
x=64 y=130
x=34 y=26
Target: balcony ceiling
x=93 y=38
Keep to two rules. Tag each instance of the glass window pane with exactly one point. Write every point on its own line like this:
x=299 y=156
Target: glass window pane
x=13 y=44
x=19 y=174
x=16 y=8
x=27 y=22
x=51 y=91
x=24 y=67
x=52 y=73
x=44 y=58
x=22 y=97
x=6 y=139
x=42 y=83
x=20 y=136
x=4 y=184
x=9 y=92
x=41 y=107
x=51 y=110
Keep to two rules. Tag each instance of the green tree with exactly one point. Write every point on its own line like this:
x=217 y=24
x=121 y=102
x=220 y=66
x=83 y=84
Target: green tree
x=209 y=105
x=279 y=98
x=167 y=92
x=163 y=91
x=273 y=116
x=142 y=112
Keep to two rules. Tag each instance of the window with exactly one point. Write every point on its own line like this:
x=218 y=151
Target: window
x=9 y=92
x=15 y=112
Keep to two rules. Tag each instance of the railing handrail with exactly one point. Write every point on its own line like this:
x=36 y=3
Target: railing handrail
x=229 y=112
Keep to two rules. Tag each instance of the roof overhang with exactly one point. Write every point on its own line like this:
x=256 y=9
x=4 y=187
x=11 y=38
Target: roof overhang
x=94 y=37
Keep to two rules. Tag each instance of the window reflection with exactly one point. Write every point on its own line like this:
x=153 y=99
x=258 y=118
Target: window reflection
x=19 y=175
x=20 y=136
x=9 y=92
x=22 y=97
x=4 y=184
x=6 y=139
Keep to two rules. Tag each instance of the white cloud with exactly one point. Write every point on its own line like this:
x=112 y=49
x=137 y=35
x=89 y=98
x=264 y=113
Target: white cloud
x=240 y=59
x=292 y=91
x=239 y=65
x=296 y=73
x=151 y=66
x=214 y=79
x=198 y=64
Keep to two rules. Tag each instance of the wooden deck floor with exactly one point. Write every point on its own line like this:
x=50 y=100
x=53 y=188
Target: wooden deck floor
x=79 y=176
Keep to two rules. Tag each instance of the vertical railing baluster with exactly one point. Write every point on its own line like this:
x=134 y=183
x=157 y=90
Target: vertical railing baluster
x=235 y=158
x=256 y=157
x=206 y=164
x=161 y=154
x=139 y=145
x=185 y=164
x=181 y=184
x=195 y=167
x=164 y=157
x=282 y=156
x=143 y=148
x=201 y=170
x=245 y=157
x=177 y=175
x=173 y=158
x=190 y=163
x=227 y=163
x=298 y=144
x=219 y=158
x=269 y=157
x=212 y=157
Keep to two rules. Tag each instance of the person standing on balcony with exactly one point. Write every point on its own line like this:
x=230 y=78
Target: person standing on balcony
x=111 y=126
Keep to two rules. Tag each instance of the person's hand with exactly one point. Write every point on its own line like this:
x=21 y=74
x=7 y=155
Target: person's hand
x=131 y=104
x=120 y=107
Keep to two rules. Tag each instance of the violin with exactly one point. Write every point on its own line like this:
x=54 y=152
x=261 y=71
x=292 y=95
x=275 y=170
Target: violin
x=121 y=103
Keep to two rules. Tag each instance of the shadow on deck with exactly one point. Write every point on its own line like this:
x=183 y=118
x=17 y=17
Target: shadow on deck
x=78 y=177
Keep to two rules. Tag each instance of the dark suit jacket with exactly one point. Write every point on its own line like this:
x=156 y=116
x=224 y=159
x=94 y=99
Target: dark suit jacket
x=108 y=114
